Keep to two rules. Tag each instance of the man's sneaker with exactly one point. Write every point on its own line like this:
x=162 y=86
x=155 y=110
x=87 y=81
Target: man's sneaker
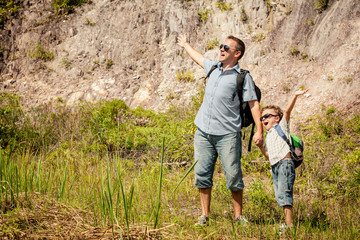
x=242 y=220
x=203 y=221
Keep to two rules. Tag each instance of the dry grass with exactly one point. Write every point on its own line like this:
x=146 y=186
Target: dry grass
x=42 y=217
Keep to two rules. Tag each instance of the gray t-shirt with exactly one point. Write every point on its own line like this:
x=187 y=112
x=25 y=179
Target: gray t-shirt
x=219 y=114
x=276 y=147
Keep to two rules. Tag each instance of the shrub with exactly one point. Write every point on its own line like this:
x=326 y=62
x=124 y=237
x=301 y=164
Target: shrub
x=67 y=6
x=321 y=5
x=7 y=8
x=10 y=116
x=244 y=16
x=109 y=63
x=187 y=76
x=294 y=51
x=212 y=44
x=223 y=6
x=203 y=15
x=259 y=37
x=40 y=53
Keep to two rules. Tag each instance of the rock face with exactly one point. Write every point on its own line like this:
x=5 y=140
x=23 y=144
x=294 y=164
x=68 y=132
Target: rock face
x=127 y=49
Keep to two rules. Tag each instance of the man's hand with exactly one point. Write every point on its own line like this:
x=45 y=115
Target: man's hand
x=181 y=40
x=195 y=55
x=258 y=139
x=255 y=111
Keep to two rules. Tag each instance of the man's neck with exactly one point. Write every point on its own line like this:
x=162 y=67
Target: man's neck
x=226 y=66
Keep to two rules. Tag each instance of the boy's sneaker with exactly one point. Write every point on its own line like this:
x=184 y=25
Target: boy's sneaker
x=242 y=220
x=203 y=221
x=283 y=228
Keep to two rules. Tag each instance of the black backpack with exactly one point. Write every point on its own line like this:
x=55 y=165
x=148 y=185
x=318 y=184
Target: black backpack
x=245 y=112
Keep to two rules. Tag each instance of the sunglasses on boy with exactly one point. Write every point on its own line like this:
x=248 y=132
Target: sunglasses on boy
x=267 y=116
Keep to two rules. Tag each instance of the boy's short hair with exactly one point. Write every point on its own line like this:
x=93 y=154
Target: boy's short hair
x=277 y=109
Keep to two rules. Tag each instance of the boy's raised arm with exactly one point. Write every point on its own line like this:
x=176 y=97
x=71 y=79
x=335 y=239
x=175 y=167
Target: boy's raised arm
x=291 y=104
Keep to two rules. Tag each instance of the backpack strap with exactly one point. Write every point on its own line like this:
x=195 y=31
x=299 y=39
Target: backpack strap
x=239 y=84
x=251 y=136
x=283 y=136
x=240 y=78
x=208 y=75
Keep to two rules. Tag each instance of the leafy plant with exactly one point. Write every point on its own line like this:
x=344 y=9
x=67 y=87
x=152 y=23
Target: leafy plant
x=90 y=22
x=203 y=15
x=108 y=63
x=259 y=37
x=39 y=53
x=67 y=6
x=294 y=51
x=187 y=76
x=65 y=62
x=212 y=44
x=8 y=8
x=244 y=16
x=321 y=5
x=223 y=6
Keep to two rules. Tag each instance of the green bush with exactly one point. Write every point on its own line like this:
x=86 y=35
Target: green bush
x=187 y=76
x=321 y=5
x=203 y=15
x=67 y=6
x=223 y=6
x=11 y=114
x=212 y=44
x=7 y=8
x=39 y=53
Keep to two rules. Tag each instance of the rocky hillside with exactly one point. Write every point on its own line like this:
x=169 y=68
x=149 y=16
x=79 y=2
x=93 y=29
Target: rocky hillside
x=127 y=49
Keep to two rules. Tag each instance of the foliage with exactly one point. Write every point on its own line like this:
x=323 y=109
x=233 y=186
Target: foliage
x=258 y=200
x=321 y=5
x=223 y=6
x=203 y=15
x=244 y=16
x=294 y=51
x=125 y=167
x=67 y=6
x=39 y=53
x=212 y=44
x=108 y=63
x=10 y=114
x=8 y=8
x=259 y=37
x=187 y=76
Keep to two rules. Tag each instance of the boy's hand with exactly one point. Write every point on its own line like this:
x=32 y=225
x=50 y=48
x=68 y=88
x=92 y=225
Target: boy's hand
x=301 y=92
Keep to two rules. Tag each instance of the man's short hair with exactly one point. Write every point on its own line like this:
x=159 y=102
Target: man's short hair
x=240 y=45
x=277 y=109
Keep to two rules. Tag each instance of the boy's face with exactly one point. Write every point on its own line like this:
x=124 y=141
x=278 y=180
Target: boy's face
x=269 y=118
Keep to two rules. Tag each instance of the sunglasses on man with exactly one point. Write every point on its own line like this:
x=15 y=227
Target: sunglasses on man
x=226 y=47
x=267 y=116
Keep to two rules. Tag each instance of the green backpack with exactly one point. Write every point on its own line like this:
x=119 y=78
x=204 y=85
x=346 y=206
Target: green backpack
x=296 y=146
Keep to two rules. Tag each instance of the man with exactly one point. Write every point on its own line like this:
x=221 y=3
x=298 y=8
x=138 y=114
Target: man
x=219 y=124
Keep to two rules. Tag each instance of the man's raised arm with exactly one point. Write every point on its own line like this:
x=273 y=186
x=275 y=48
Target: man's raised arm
x=195 y=55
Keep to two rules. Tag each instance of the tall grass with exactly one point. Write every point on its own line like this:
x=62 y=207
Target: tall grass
x=131 y=170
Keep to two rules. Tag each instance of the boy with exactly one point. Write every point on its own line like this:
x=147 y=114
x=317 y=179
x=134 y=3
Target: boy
x=278 y=153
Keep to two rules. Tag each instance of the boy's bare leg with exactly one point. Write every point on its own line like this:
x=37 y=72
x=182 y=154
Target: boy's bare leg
x=205 y=198
x=237 y=198
x=288 y=215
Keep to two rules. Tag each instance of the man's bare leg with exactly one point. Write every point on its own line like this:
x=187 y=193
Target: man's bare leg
x=205 y=198
x=237 y=198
